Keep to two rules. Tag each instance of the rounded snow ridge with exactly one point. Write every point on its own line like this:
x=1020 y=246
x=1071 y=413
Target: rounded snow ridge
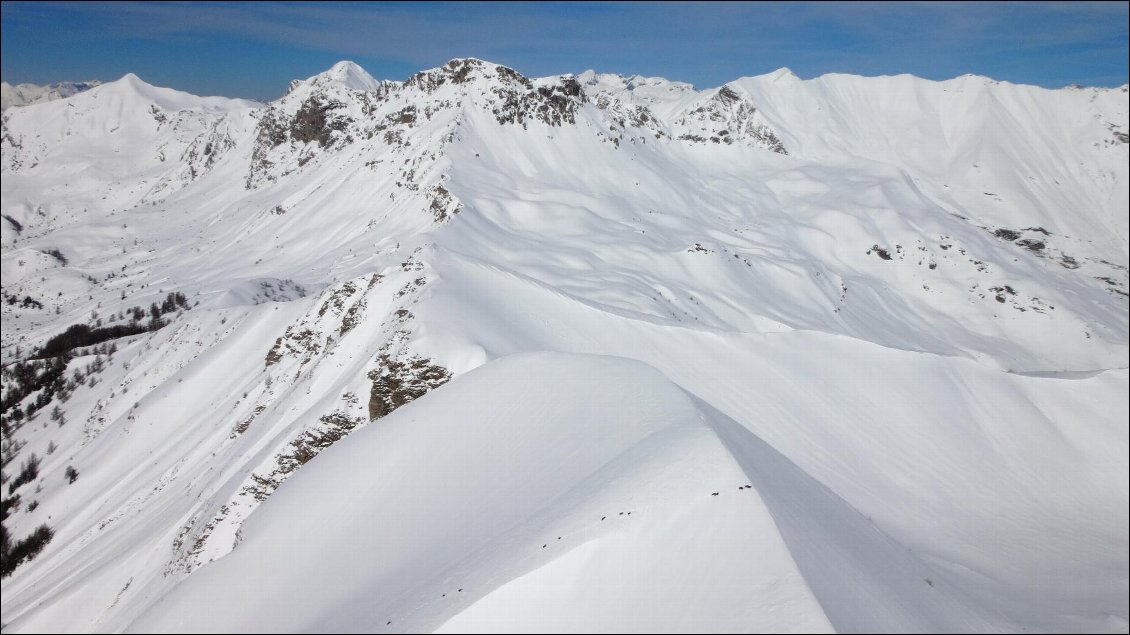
x=783 y=73
x=346 y=65
x=129 y=83
x=349 y=74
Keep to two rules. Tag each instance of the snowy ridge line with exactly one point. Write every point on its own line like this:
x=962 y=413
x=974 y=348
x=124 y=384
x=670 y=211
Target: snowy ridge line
x=879 y=303
x=816 y=541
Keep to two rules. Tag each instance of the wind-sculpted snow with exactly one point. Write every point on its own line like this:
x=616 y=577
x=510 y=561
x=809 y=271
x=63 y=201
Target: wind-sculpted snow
x=577 y=493
x=834 y=354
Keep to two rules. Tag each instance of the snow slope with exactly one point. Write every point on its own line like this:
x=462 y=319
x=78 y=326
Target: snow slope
x=478 y=484
x=583 y=493
x=987 y=149
x=895 y=308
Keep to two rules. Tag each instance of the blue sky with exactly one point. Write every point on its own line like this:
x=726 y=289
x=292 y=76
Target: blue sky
x=254 y=49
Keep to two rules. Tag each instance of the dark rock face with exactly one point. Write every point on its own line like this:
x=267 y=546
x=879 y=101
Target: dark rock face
x=398 y=382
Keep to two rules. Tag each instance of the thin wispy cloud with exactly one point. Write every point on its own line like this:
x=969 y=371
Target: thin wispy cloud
x=254 y=48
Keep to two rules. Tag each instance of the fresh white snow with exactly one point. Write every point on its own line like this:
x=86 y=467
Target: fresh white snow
x=895 y=309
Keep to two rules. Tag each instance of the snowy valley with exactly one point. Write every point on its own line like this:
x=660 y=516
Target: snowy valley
x=481 y=352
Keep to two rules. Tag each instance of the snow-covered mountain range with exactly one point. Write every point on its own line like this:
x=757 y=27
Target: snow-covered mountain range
x=476 y=352
x=27 y=94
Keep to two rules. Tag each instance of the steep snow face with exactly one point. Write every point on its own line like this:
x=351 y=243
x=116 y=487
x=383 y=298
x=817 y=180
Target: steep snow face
x=573 y=483
x=734 y=238
x=28 y=94
x=543 y=483
x=878 y=302
x=350 y=75
x=1004 y=155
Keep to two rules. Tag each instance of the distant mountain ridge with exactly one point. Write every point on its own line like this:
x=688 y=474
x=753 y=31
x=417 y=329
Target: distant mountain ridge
x=28 y=94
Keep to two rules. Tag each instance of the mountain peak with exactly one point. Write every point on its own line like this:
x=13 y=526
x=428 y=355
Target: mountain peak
x=782 y=73
x=462 y=70
x=474 y=61
x=131 y=89
x=346 y=73
x=129 y=84
x=131 y=79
